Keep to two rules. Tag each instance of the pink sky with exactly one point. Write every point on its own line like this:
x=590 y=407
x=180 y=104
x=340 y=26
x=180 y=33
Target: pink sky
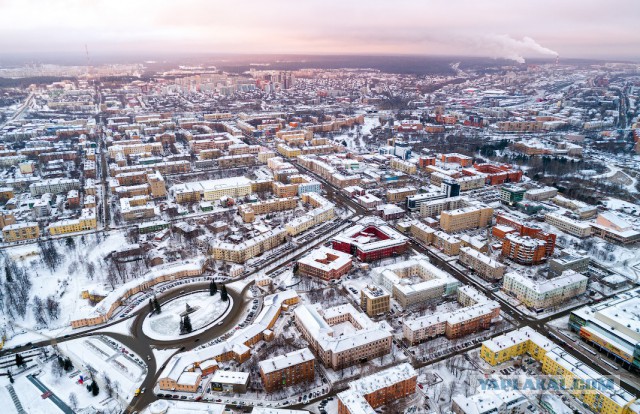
x=505 y=28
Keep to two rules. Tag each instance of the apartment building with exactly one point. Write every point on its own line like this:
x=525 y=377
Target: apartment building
x=232 y=161
x=325 y=263
x=382 y=388
x=506 y=223
x=131 y=178
x=288 y=151
x=466 y=218
x=434 y=208
x=477 y=313
x=523 y=249
x=133 y=149
x=545 y=293
x=157 y=185
x=404 y=166
x=463 y=160
x=240 y=253
x=374 y=300
x=249 y=211
x=568 y=225
x=447 y=243
x=211 y=190
x=415 y=282
x=20 y=232
x=323 y=211
x=102 y=313
x=581 y=379
x=515 y=343
x=296 y=367
x=422 y=232
x=86 y=221
x=54 y=186
x=399 y=195
x=484 y=265
x=366 y=341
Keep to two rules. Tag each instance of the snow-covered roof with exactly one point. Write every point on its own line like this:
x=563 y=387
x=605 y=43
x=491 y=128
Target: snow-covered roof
x=317 y=327
x=355 y=403
x=567 y=278
x=326 y=259
x=285 y=361
x=230 y=377
x=518 y=336
x=382 y=379
x=586 y=373
x=235 y=343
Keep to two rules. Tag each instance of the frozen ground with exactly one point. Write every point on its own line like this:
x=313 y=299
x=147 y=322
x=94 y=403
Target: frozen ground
x=166 y=325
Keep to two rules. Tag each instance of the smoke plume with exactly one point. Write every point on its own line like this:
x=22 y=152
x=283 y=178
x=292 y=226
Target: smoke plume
x=505 y=46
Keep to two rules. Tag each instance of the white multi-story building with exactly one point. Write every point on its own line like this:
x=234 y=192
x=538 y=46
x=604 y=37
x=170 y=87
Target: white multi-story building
x=54 y=186
x=541 y=294
x=342 y=336
x=568 y=225
x=433 y=283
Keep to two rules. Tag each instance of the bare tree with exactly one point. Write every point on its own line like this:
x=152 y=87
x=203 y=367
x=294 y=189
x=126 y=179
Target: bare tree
x=73 y=401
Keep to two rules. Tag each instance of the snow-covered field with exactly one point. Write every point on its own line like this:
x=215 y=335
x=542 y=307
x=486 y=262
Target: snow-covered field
x=166 y=325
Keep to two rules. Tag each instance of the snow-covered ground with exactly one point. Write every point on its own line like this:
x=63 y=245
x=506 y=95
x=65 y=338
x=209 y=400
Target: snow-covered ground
x=109 y=359
x=166 y=325
x=81 y=266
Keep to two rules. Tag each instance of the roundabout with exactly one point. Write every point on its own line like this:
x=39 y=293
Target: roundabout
x=203 y=311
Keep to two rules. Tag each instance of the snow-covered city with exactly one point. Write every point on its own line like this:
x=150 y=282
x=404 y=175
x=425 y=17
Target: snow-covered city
x=382 y=230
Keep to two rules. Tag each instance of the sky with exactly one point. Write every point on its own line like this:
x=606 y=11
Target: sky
x=514 y=29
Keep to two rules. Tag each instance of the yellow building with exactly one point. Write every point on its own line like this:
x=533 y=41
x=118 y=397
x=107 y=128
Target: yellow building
x=6 y=219
x=374 y=300
x=240 y=253
x=157 y=185
x=466 y=218
x=587 y=385
x=20 y=231
x=515 y=343
x=404 y=166
x=287 y=151
x=87 y=221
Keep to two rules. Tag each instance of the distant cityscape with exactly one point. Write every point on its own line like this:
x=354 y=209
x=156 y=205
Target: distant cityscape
x=281 y=238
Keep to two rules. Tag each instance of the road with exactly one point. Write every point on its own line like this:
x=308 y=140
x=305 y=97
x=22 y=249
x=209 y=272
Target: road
x=20 y=110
